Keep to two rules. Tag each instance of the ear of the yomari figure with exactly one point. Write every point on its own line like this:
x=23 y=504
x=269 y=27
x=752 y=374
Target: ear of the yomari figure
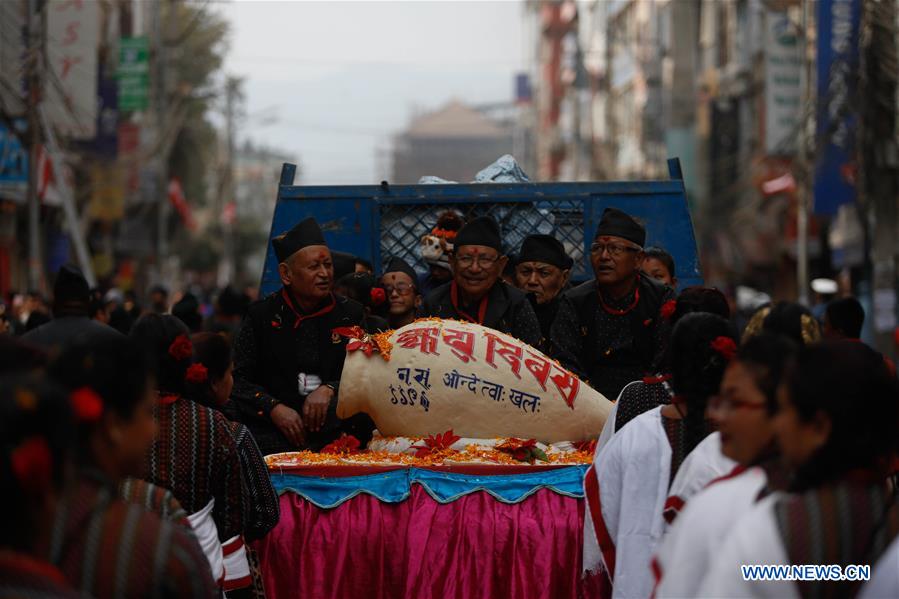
x=444 y=374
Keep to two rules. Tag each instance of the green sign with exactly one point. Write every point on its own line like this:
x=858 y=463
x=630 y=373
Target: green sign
x=134 y=73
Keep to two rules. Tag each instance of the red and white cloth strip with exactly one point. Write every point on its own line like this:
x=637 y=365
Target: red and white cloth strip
x=208 y=537
x=237 y=567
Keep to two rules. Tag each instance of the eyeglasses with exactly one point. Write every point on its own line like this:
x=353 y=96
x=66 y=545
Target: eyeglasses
x=718 y=403
x=615 y=250
x=400 y=288
x=483 y=262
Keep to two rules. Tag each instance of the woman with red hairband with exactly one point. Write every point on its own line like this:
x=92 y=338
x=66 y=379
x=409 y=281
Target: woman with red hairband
x=627 y=486
x=35 y=469
x=213 y=352
x=744 y=410
x=204 y=476
x=655 y=389
x=97 y=537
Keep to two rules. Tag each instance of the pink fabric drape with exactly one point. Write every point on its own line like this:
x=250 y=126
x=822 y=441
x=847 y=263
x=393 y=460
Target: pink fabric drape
x=473 y=547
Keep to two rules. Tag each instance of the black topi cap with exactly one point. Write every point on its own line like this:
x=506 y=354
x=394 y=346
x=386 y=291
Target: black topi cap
x=617 y=223
x=400 y=265
x=480 y=231
x=303 y=234
x=544 y=248
x=70 y=286
x=344 y=264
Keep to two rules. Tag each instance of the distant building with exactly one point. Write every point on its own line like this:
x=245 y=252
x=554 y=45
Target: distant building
x=454 y=143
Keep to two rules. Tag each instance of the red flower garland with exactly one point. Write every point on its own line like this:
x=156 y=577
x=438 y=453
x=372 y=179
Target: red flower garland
x=32 y=465
x=668 y=309
x=181 y=348
x=345 y=444
x=725 y=346
x=86 y=404
x=196 y=374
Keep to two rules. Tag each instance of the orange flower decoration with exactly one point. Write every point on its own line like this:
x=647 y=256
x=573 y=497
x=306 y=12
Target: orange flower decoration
x=86 y=404
x=181 y=348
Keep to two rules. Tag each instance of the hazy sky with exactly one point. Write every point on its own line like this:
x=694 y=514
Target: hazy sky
x=345 y=76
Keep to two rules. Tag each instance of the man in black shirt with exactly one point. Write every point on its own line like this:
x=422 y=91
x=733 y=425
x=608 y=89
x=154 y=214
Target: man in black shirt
x=476 y=293
x=288 y=358
x=610 y=328
x=542 y=272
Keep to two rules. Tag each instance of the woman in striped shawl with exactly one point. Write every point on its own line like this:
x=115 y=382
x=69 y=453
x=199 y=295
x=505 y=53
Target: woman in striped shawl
x=105 y=546
x=194 y=454
x=37 y=451
x=837 y=425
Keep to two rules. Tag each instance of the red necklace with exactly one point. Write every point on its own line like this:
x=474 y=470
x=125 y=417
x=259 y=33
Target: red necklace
x=617 y=312
x=482 y=307
x=301 y=317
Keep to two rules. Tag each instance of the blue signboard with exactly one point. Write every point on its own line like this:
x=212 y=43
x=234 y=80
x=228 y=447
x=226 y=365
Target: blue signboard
x=13 y=164
x=838 y=26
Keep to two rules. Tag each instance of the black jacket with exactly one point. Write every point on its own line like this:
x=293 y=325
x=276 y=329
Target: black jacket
x=612 y=350
x=70 y=330
x=508 y=311
x=269 y=353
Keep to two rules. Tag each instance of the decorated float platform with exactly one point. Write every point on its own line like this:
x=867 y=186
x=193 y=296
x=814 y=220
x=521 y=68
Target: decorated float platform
x=480 y=521
x=496 y=510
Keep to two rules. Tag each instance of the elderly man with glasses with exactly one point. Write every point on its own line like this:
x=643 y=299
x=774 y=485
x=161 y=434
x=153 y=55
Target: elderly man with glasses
x=612 y=329
x=476 y=293
x=403 y=298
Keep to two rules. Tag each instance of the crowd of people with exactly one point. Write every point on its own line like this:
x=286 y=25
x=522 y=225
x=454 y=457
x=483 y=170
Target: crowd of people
x=134 y=438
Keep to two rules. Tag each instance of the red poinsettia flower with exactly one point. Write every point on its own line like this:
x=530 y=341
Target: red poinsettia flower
x=181 y=348
x=587 y=446
x=359 y=339
x=353 y=332
x=86 y=404
x=32 y=465
x=436 y=443
x=725 y=346
x=345 y=444
x=378 y=296
x=668 y=309
x=523 y=450
x=197 y=374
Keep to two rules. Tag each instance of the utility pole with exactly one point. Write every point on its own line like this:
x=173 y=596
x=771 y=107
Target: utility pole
x=805 y=183
x=227 y=268
x=160 y=98
x=34 y=65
